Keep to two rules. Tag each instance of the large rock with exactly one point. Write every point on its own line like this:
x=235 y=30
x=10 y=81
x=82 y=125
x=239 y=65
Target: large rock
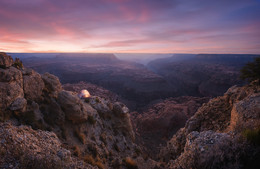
x=19 y=104
x=23 y=147
x=208 y=150
x=5 y=60
x=124 y=122
x=73 y=107
x=11 y=87
x=246 y=114
x=33 y=85
x=227 y=117
x=52 y=83
x=10 y=74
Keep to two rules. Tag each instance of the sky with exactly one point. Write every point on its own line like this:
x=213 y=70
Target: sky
x=130 y=26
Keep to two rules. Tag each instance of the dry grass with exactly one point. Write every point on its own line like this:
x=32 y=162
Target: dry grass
x=91 y=120
x=100 y=165
x=130 y=163
x=80 y=136
x=76 y=151
x=89 y=159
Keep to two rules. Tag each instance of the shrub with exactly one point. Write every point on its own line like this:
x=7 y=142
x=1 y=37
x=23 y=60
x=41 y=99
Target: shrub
x=130 y=163
x=89 y=159
x=76 y=151
x=80 y=136
x=253 y=136
x=116 y=147
x=137 y=151
x=100 y=165
x=251 y=71
x=103 y=138
x=18 y=63
x=91 y=120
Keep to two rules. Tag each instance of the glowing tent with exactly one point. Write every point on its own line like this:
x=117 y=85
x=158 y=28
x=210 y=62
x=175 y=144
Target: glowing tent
x=84 y=94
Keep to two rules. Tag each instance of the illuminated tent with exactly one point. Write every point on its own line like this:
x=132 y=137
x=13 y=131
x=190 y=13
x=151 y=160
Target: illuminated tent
x=84 y=94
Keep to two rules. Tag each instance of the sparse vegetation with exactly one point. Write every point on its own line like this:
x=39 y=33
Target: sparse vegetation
x=80 y=136
x=137 y=151
x=18 y=63
x=87 y=100
x=253 y=136
x=130 y=163
x=103 y=138
x=98 y=100
x=91 y=120
x=100 y=165
x=116 y=147
x=251 y=71
x=76 y=151
x=89 y=159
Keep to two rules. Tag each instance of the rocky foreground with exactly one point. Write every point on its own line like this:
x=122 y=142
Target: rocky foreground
x=223 y=133
x=44 y=126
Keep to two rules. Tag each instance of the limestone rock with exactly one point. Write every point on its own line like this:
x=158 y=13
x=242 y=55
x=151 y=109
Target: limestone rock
x=22 y=147
x=33 y=85
x=246 y=114
x=72 y=106
x=5 y=60
x=208 y=150
x=52 y=83
x=9 y=92
x=19 y=104
x=227 y=117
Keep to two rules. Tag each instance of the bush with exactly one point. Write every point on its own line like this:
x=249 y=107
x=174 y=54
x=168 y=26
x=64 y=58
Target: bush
x=89 y=159
x=253 y=136
x=91 y=120
x=17 y=63
x=80 y=136
x=251 y=71
x=76 y=151
x=130 y=163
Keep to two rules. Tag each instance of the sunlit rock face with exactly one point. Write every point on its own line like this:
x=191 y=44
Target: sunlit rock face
x=84 y=94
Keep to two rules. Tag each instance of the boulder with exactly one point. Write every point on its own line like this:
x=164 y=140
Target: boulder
x=208 y=149
x=246 y=114
x=18 y=104
x=124 y=122
x=52 y=83
x=5 y=60
x=72 y=106
x=10 y=74
x=33 y=85
x=11 y=86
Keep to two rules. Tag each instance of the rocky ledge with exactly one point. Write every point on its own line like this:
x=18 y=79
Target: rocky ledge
x=223 y=133
x=44 y=126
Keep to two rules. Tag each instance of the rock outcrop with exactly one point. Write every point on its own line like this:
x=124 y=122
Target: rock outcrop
x=5 y=60
x=85 y=133
x=23 y=147
x=220 y=134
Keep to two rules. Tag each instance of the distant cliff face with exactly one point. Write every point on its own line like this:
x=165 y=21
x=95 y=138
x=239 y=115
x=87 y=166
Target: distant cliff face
x=224 y=133
x=131 y=81
x=76 y=133
x=207 y=75
x=157 y=124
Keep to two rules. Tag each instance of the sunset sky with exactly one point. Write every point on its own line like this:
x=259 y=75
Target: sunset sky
x=130 y=26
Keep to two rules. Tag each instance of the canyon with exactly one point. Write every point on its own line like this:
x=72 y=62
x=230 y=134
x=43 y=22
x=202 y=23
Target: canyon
x=101 y=132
